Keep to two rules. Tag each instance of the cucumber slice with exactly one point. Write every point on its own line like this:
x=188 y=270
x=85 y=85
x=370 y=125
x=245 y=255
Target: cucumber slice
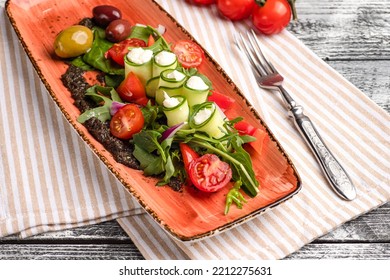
x=207 y=118
x=178 y=113
x=163 y=60
x=142 y=70
x=151 y=86
x=196 y=93
x=170 y=91
x=171 y=78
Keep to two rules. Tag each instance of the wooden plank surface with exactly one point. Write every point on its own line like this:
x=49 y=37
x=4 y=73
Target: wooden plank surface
x=345 y=29
x=353 y=36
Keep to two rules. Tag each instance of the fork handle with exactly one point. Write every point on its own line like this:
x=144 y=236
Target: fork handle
x=335 y=173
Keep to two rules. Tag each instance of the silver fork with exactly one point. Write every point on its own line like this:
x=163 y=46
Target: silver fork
x=268 y=77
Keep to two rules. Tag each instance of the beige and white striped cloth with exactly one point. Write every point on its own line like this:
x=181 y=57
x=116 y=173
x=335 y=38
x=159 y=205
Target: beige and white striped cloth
x=50 y=180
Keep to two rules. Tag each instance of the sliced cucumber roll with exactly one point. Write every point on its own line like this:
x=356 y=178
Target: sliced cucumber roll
x=171 y=78
x=207 y=118
x=163 y=60
x=195 y=90
x=170 y=91
x=151 y=86
x=139 y=61
x=175 y=109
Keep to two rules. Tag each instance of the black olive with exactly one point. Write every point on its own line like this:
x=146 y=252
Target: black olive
x=104 y=14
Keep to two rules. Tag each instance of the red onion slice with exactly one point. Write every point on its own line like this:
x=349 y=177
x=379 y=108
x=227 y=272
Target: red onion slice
x=115 y=107
x=170 y=132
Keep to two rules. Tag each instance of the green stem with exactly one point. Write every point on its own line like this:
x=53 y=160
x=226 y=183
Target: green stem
x=261 y=3
x=235 y=196
x=293 y=9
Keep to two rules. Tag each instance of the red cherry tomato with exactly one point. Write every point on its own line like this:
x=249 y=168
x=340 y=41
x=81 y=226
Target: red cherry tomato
x=245 y=128
x=118 y=51
x=236 y=9
x=189 y=155
x=209 y=174
x=273 y=17
x=223 y=101
x=201 y=2
x=188 y=53
x=132 y=90
x=260 y=134
x=127 y=121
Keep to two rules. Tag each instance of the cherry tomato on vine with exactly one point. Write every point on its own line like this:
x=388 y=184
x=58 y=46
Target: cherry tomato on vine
x=118 y=51
x=201 y=2
x=236 y=9
x=188 y=53
x=272 y=17
x=209 y=174
x=127 y=121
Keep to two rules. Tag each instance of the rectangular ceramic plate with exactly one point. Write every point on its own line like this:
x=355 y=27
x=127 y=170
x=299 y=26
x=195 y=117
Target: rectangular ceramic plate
x=187 y=215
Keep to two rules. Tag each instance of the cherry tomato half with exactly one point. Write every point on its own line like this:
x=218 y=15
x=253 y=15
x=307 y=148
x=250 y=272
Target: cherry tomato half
x=235 y=9
x=188 y=53
x=189 y=155
x=118 y=51
x=209 y=174
x=132 y=90
x=127 y=121
x=273 y=17
x=223 y=101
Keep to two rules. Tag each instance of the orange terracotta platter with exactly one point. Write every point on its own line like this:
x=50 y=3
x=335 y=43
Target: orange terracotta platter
x=187 y=215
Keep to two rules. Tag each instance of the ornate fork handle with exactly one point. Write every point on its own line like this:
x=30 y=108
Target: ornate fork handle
x=269 y=78
x=335 y=173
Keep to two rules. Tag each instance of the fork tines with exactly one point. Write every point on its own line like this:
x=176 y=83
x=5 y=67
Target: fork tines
x=250 y=46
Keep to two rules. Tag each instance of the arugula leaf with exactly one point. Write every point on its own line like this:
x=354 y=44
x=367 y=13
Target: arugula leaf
x=154 y=157
x=149 y=152
x=102 y=113
x=153 y=116
x=148 y=140
x=145 y=158
x=100 y=94
x=246 y=175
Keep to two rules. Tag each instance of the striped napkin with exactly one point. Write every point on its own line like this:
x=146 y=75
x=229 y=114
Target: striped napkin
x=50 y=180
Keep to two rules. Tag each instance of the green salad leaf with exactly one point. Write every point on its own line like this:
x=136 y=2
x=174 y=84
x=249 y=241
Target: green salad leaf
x=95 y=56
x=155 y=158
x=100 y=95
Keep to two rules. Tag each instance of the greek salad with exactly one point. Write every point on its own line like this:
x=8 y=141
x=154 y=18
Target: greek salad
x=153 y=97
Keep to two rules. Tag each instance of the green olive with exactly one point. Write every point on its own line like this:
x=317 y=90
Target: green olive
x=73 y=41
